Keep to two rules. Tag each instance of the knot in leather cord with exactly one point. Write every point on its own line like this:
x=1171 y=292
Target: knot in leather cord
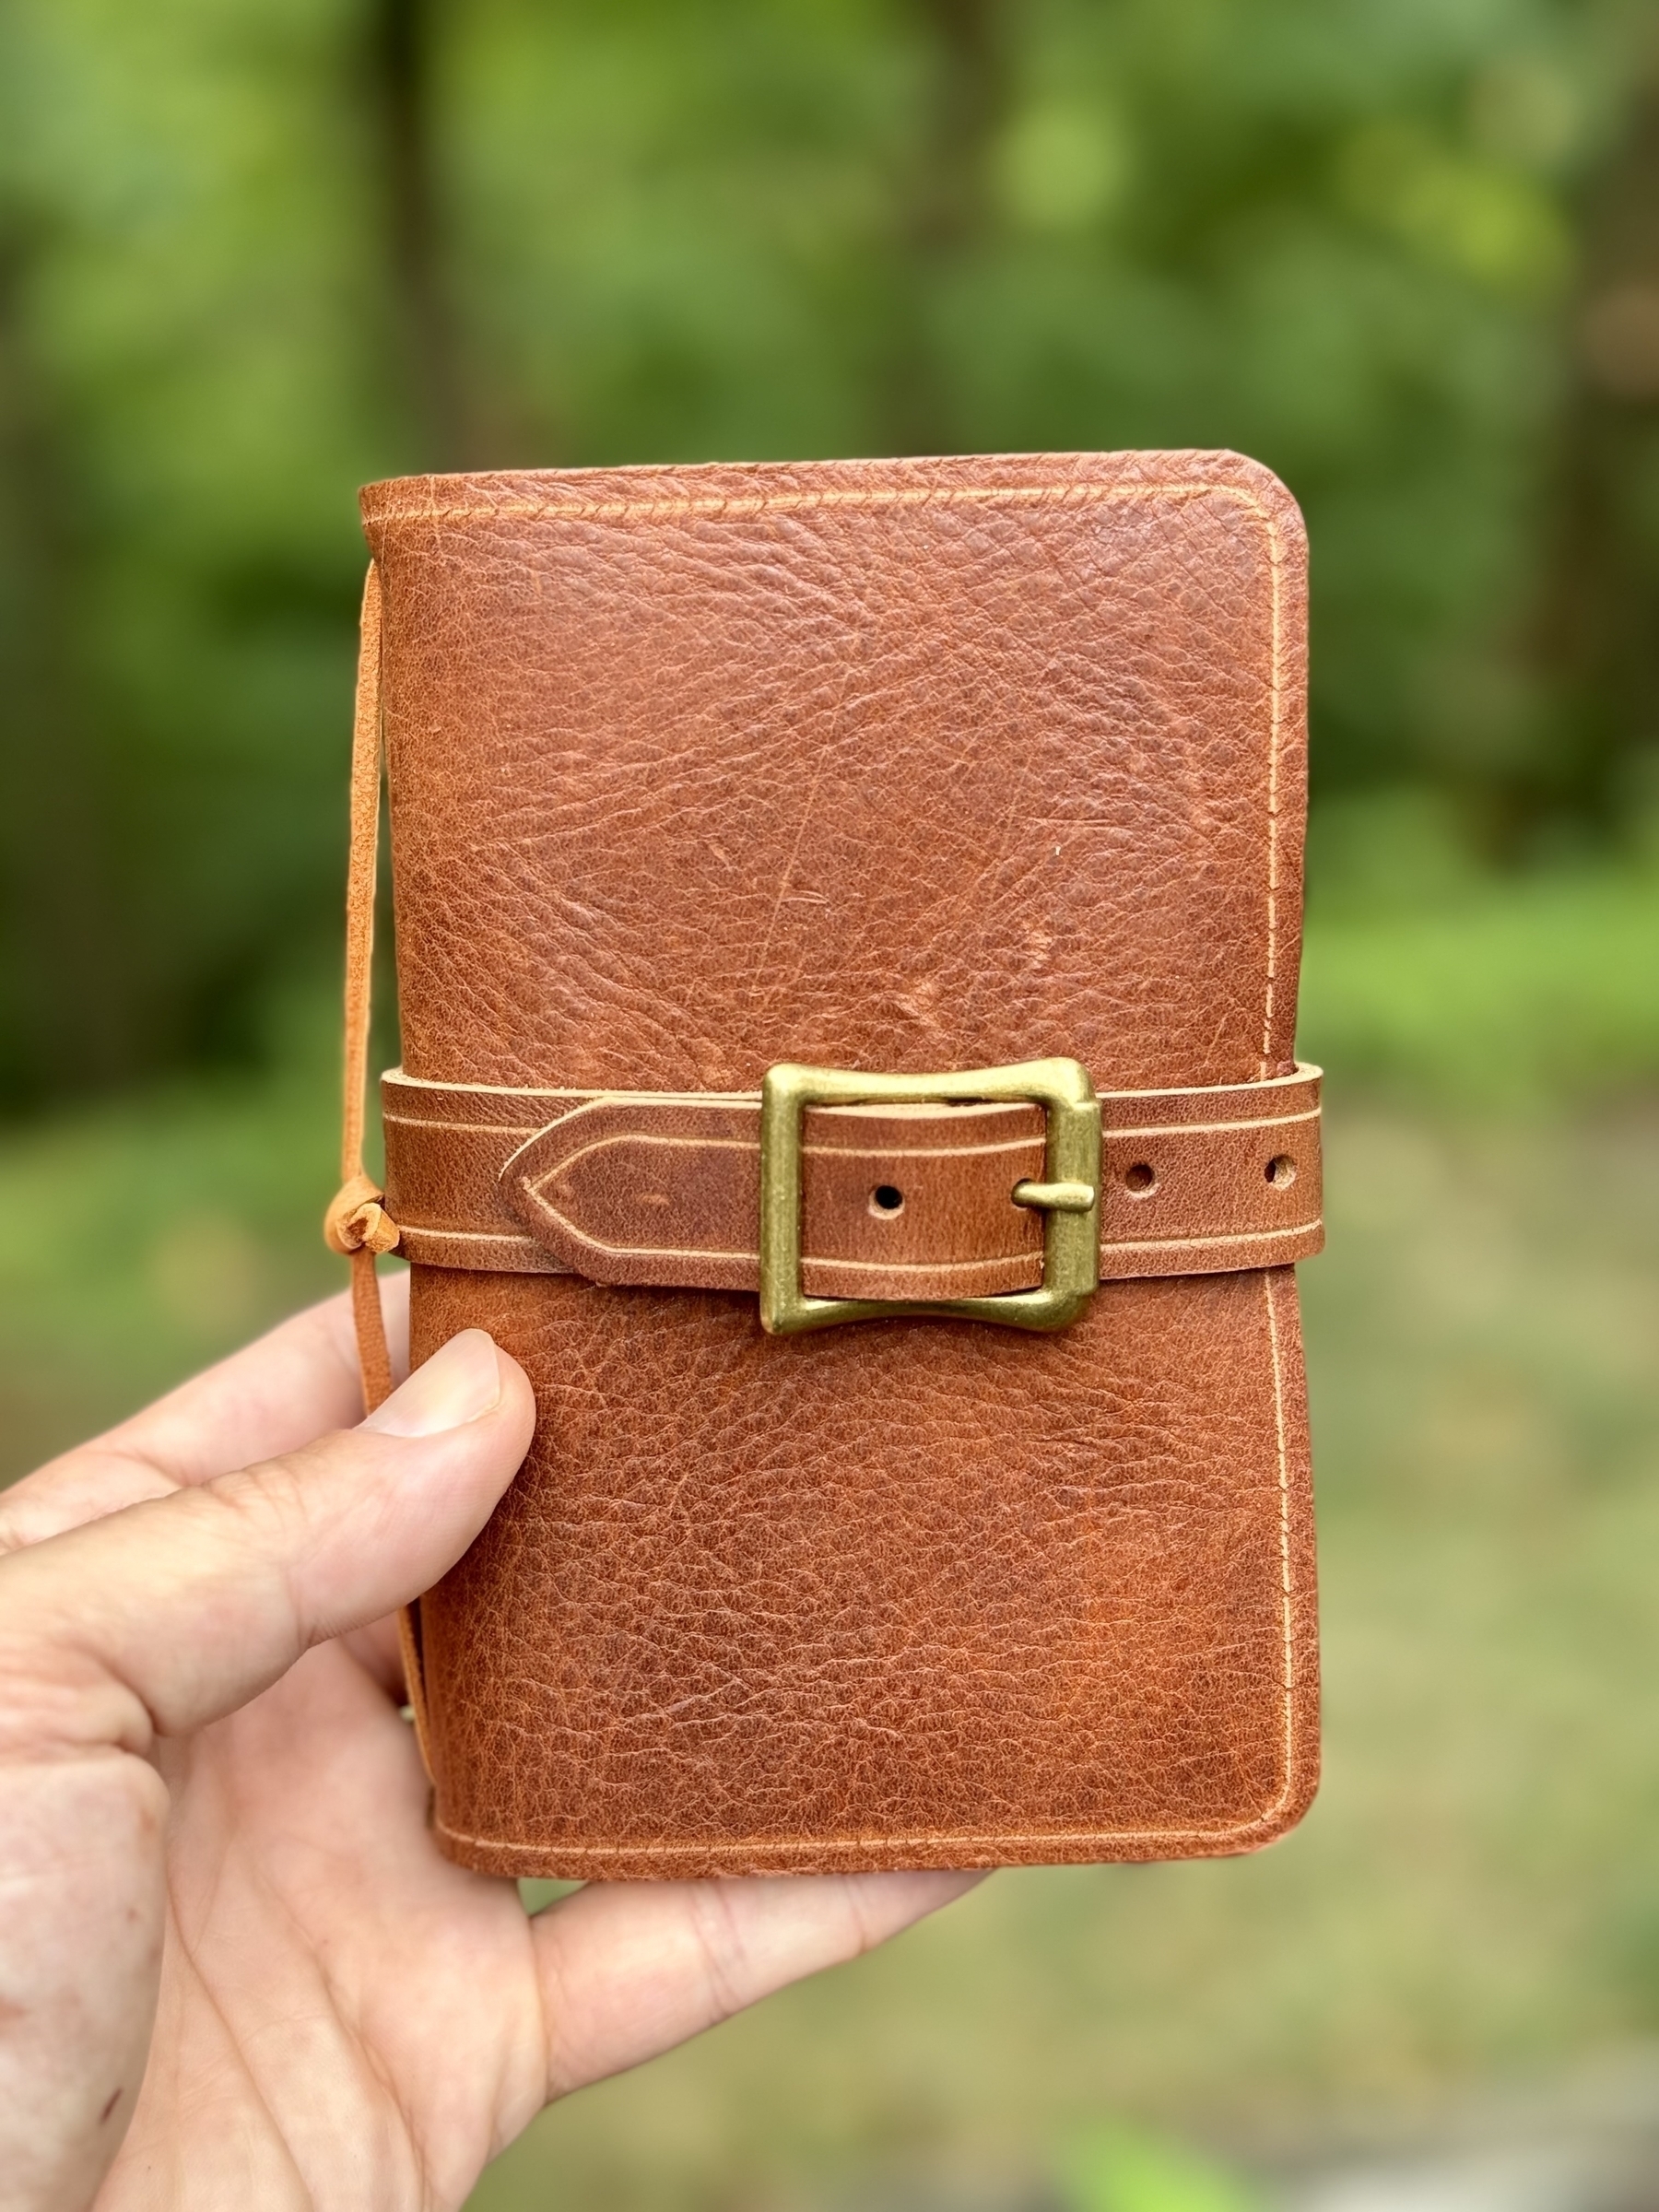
x=356 y=1220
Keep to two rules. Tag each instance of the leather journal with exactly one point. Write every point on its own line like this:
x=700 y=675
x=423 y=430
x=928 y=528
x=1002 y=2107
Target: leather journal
x=847 y=929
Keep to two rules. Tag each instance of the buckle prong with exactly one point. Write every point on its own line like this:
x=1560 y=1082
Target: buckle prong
x=1056 y=1198
x=1068 y=1194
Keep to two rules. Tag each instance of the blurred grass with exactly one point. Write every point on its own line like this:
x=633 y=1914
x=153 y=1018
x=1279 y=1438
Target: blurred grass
x=1532 y=998
x=1477 y=1891
x=1126 y=2170
x=142 y=1239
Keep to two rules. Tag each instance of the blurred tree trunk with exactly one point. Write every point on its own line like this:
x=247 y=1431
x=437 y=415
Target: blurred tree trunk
x=942 y=206
x=967 y=97
x=403 y=68
x=69 y=1016
x=1598 y=633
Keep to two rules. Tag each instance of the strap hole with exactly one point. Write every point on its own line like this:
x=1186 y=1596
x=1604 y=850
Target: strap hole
x=1281 y=1171
x=885 y=1200
x=1140 y=1179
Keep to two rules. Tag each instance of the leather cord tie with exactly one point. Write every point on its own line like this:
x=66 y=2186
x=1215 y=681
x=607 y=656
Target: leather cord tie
x=357 y=1222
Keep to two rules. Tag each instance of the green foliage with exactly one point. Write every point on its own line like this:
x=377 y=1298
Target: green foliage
x=1422 y=976
x=1535 y=998
x=143 y=1238
x=253 y=253
x=1126 y=2170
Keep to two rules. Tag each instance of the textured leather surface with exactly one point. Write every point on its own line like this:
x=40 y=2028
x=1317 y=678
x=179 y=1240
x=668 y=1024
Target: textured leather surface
x=880 y=1595
x=898 y=766
x=640 y=1188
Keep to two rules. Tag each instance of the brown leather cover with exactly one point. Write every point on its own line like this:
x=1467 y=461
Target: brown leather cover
x=899 y=766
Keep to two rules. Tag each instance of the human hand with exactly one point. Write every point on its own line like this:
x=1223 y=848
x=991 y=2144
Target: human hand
x=233 y=1968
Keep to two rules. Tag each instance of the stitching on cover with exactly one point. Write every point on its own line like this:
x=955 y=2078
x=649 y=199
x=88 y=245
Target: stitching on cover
x=1273 y=1811
x=717 y=508
x=923 y=1839
x=1275 y=710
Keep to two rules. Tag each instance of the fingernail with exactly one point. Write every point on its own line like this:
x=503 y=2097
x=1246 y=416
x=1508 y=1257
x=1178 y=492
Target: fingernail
x=455 y=1386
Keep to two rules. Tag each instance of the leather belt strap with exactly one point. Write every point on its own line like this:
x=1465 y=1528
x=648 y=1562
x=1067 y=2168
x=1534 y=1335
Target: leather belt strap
x=898 y=1202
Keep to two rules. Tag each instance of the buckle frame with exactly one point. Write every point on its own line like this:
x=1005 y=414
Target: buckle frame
x=1068 y=1197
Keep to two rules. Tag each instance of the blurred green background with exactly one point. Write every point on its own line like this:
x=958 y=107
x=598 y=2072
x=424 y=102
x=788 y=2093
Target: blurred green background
x=1406 y=251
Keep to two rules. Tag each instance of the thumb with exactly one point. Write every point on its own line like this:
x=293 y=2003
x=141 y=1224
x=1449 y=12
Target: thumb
x=171 y=1614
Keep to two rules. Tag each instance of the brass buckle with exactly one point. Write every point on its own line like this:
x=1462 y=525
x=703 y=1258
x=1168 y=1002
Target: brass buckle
x=1068 y=1195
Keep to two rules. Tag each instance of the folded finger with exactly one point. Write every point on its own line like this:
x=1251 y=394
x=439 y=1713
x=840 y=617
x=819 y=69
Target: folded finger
x=630 y=1969
x=377 y=1649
